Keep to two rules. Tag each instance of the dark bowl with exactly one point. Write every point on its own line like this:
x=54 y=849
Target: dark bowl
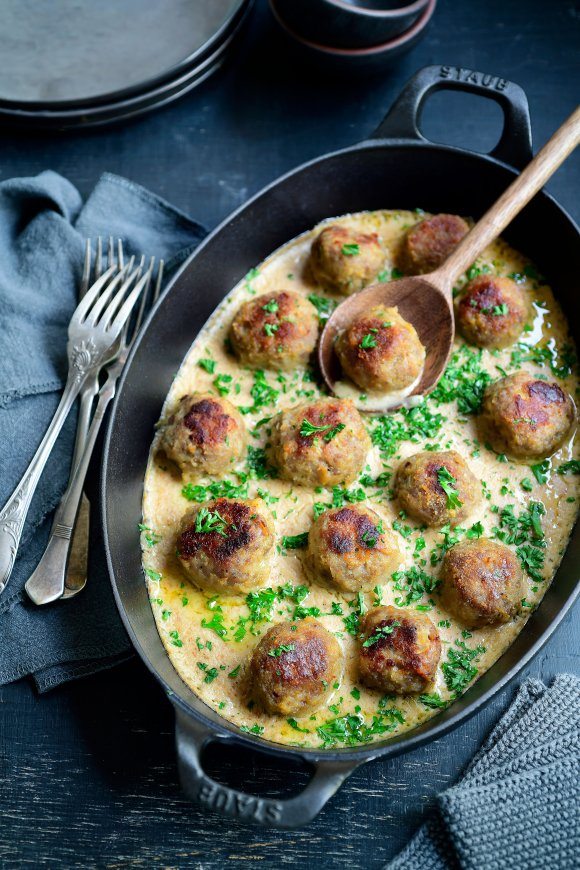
x=349 y=25
x=346 y=60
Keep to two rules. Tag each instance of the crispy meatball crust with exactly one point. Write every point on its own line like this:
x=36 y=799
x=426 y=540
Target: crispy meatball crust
x=277 y=331
x=295 y=666
x=418 y=486
x=344 y=261
x=204 y=435
x=482 y=583
x=317 y=459
x=492 y=311
x=403 y=661
x=351 y=549
x=428 y=244
x=381 y=351
x=234 y=558
x=526 y=417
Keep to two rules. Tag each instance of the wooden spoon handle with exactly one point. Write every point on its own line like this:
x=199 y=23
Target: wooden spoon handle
x=511 y=202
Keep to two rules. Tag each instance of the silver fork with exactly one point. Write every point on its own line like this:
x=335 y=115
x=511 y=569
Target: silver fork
x=47 y=583
x=77 y=567
x=93 y=340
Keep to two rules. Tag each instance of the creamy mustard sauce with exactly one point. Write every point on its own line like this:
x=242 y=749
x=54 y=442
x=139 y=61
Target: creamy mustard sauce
x=215 y=667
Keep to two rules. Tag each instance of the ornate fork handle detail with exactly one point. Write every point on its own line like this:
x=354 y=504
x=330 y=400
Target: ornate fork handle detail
x=47 y=582
x=84 y=357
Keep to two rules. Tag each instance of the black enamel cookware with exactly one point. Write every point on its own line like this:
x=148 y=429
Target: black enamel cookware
x=394 y=168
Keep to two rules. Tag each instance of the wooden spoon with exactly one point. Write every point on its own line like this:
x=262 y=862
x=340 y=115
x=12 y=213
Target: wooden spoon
x=426 y=300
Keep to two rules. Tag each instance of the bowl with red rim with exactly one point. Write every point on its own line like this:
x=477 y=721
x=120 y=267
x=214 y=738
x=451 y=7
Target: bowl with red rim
x=367 y=59
x=350 y=24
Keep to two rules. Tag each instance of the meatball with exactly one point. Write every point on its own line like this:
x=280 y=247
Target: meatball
x=381 y=351
x=482 y=583
x=295 y=667
x=350 y=548
x=400 y=650
x=276 y=331
x=525 y=416
x=227 y=545
x=344 y=261
x=319 y=443
x=437 y=488
x=204 y=435
x=492 y=311
x=428 y=244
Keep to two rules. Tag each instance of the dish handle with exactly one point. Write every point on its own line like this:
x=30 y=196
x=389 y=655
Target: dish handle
x=402 y=121
x=192 y=738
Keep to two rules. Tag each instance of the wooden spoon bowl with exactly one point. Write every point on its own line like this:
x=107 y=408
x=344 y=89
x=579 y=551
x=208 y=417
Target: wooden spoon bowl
x=426 y=300
x=420 y=302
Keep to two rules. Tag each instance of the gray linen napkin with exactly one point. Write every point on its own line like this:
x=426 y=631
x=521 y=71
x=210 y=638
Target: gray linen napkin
x=517 y=805
x=43 y=226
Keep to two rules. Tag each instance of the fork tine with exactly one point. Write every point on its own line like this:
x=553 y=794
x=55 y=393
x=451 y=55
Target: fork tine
x=86 y=270
x=120 y=256
x=157 y=289
x=99 y=258
x=131 y=275
x=95 y=312
x=120 y=317
x=93 y=292
x=143 y=304
x=110 y=252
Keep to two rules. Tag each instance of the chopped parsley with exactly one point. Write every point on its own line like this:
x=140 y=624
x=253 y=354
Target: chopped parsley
x=151 y=538
x=381 y=633
x=449 y=486
x=210 y=521
x=261 y=392
x=464 y=381
x=271 y=329
x=368 y=341
x=433 y=701
x=222 y=384
x=258 y=465
x=175 y=639
x=526 y=533
x=350 y=249
x=414 y=583
x=353 y=728
x=458 y=670
x=277 y=651
x=208 y=365
x=217 y=489
x=295 y=542
x=271 y=307
x=570 y=467
x=294 y=724
x=323 y=306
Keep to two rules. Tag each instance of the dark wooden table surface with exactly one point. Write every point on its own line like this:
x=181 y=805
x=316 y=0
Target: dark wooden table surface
x=87 y=773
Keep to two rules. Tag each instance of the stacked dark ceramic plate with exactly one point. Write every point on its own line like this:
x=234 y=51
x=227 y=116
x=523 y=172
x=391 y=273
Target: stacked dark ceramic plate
x=81 y=63
x=353 y=34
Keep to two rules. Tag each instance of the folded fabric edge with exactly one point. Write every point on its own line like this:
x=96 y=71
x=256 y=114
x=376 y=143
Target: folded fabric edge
x=50 y=677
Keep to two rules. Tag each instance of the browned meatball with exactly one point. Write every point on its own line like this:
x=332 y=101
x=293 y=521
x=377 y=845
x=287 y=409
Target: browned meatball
x=525 y=416
x=295 y=667
x=277 y=331
x=492 y=311
x=437 y=488
x=344 y=261
x=428 y=244
x=204 y=435
x=381 y=351
x=400 y=650
x=351 y=548
x=483 y=583
x=319 y=443
x=227 y=545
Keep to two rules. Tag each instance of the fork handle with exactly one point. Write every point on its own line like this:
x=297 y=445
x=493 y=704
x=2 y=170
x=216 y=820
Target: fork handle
x=47 y=582
x=13 y=514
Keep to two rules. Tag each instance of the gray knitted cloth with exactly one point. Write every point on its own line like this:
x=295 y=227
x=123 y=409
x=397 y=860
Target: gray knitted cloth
x=518 y=803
